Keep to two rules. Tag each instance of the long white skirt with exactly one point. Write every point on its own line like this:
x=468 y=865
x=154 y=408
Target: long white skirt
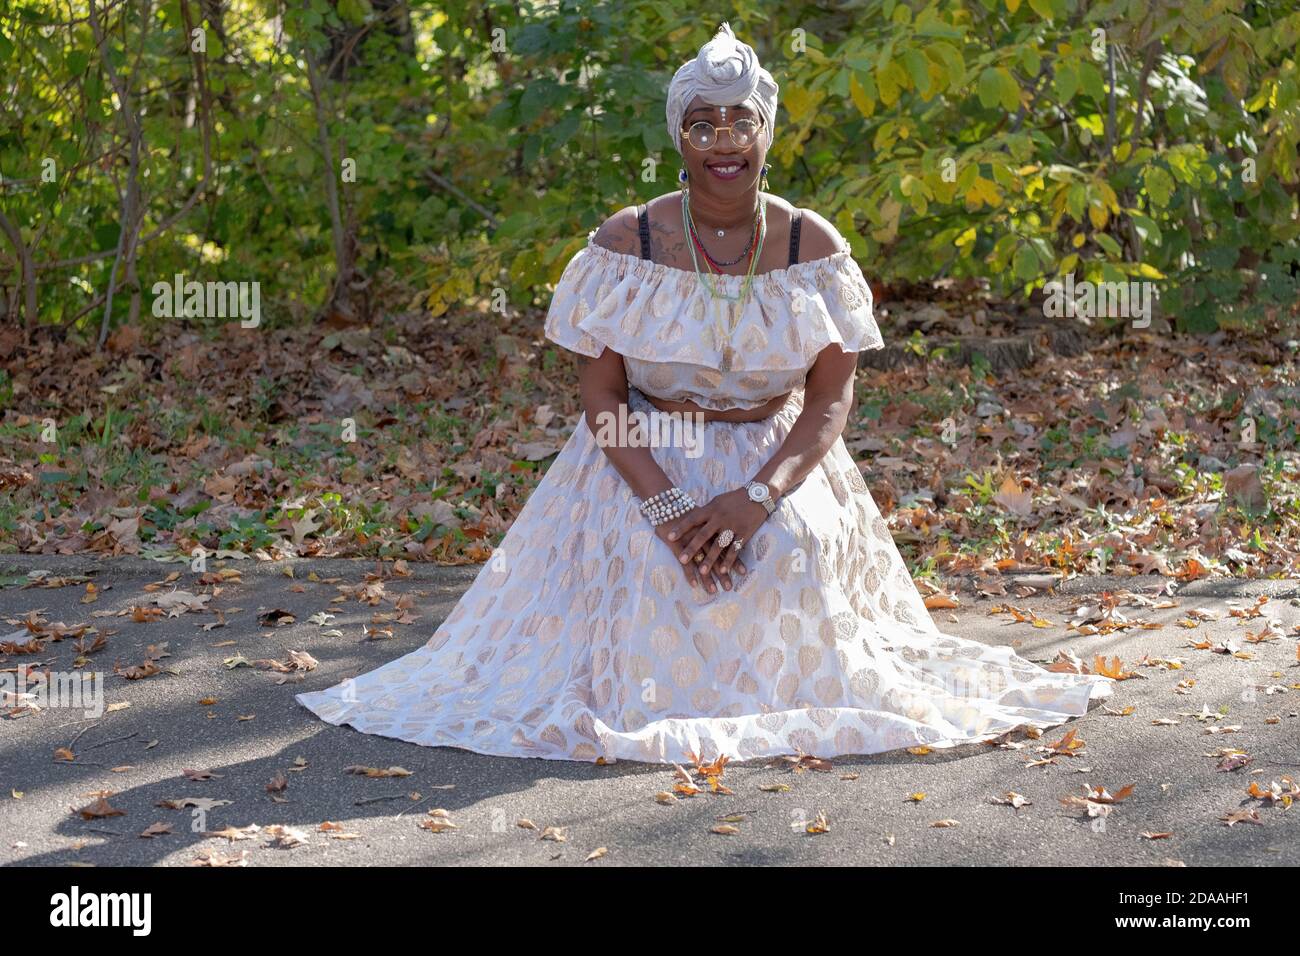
x=581 y=638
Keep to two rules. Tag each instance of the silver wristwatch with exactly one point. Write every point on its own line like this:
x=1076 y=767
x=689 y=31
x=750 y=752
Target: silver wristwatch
x=759 y=492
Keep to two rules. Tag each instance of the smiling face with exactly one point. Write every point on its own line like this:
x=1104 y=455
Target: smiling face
x=724 y=170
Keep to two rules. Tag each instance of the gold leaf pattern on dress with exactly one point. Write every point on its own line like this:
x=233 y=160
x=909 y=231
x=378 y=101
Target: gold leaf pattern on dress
x=810 y=658
x=661 y=378
x=697 y=310
x=772 y=722
x=753 y=339
x=705 y=644
x=786 y=564
x=822 y=717
x=810 y=602
x=750 y=637
x=686 y=671
x=714 y=471
x=684 y=614
x=663 y=579
x=849 y=740
x=706 y=378
x=838 y=488
x=727 y=671
x=850 y=297
x=671 y=333
x=725 y=616
x=793 y=341
x=647 y=610
x=705 y=700
x=632 y=323
x=580 y=311
x=664 y=640
x=769 y=662
x=664 y=301
x=791 y=628
x=829 y=690
x=662 y=699
x=787 y=688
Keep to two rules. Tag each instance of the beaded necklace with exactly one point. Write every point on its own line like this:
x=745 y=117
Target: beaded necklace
x=688 y=226
x=717 y=264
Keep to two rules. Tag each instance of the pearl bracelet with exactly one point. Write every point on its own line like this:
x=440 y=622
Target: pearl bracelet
x=667 y=505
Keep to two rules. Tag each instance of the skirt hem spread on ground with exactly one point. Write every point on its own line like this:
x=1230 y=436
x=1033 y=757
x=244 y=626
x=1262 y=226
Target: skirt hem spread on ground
x=581 y=638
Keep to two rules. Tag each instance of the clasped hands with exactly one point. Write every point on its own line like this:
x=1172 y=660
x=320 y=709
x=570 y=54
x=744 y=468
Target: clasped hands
x=694 y=538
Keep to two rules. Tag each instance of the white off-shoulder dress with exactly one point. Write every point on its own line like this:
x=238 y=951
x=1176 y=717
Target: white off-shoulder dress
x=582 y=639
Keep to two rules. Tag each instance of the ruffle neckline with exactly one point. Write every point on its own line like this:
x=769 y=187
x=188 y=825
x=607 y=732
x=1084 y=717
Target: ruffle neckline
x=657 y=313
x=659 y=270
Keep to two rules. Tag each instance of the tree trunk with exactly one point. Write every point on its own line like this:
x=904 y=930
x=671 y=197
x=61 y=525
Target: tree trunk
x=10 y=229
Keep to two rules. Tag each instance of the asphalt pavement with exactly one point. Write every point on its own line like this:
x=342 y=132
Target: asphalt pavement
x=262 y=759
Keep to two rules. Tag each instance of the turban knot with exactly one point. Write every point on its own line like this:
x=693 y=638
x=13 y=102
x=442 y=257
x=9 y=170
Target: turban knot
x=724 y=73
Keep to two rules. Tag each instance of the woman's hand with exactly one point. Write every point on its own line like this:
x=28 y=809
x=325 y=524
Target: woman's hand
x=699 y=529
x=671 y=533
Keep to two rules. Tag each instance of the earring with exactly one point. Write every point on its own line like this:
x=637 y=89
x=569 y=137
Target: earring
x=682 y=178
x=766 y=167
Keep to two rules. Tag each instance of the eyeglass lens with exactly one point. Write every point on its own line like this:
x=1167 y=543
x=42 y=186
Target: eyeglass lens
x=742 y=132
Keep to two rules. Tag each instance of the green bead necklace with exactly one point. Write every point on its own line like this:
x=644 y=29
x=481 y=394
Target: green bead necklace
x=688 y=226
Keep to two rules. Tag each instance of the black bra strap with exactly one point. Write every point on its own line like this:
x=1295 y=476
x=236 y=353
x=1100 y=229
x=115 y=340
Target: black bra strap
x=795 y=221
x=643 y=219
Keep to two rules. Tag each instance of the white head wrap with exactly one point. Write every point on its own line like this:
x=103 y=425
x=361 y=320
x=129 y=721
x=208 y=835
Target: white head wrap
x=724 y=73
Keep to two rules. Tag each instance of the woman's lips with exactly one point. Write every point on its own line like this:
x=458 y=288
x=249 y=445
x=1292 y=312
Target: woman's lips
x=727 y=169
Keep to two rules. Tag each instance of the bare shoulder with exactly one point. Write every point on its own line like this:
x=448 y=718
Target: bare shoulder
x=817 y=237
x=779 y=211
x=619 y=232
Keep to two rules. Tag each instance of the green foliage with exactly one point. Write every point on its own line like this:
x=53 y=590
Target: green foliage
x=1012 y=141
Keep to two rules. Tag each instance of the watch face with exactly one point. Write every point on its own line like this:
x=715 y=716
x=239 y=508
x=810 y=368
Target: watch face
x=758 y=491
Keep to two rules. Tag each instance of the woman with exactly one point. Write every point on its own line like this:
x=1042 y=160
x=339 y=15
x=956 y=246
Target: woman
x=702 y=571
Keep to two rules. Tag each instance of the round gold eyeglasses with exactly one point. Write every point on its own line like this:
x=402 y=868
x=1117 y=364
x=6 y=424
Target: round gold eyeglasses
x=702 y=135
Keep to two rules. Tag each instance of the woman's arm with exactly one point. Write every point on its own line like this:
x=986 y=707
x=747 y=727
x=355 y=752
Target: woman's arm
x=828 y=390
x=828 y=399
x=602 y=383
